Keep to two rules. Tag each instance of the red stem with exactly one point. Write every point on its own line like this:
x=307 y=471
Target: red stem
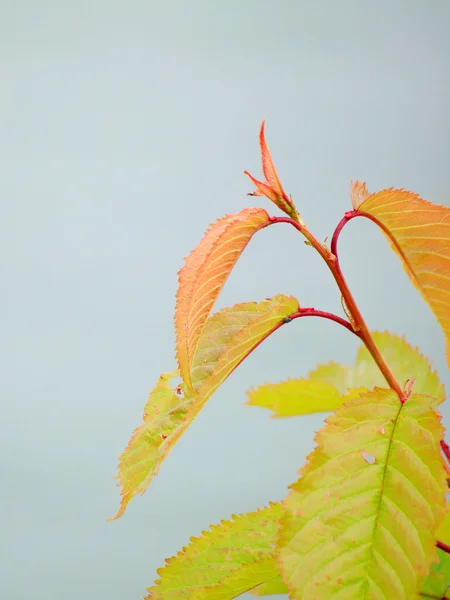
x=312 y=312
x=350 y=214
x=359 y=325
x=442 y=546
x=446 y=450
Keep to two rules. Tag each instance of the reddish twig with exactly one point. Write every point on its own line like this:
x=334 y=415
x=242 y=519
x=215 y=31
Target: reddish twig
x=442 y=546
x=358 y=324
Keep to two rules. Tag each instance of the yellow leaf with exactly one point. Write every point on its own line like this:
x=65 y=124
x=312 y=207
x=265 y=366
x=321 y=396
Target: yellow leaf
x=419 y=232
x=328 y=386
x=203 y=276
x=270 y=588
x=360 y=523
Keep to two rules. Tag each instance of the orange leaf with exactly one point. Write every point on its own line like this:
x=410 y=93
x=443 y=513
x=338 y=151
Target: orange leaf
x=271 y=187
x=204 y=274
x=419 y=232
x=268 y=167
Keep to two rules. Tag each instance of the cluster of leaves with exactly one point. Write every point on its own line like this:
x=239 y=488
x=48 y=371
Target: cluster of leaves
x=367 y=517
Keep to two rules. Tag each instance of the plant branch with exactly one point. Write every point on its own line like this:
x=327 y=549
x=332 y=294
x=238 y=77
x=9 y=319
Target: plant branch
x=358 y=325
x=442 y=546
x=446 y=450
x=312 y=312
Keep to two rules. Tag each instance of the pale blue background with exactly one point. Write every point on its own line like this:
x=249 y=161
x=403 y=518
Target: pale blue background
x=125 y=129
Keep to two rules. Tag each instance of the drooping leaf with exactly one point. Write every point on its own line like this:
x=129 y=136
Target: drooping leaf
x=150 y=443
x=273 y=313
x=228 y=337
x=360 y=523
x=328 y=386
x=437 y=582
x=203 y=276
x=270 y=588
x=223 y=563
x=223 y=326
x=271 y=187
x=419 y=232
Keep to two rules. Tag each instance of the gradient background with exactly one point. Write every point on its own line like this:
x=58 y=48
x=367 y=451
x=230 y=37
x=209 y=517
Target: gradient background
x=125 y=130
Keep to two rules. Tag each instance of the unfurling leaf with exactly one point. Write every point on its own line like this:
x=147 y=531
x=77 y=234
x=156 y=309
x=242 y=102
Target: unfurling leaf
x=271 y=187
x=203 y=276
x=223 y=563
x=228 y=337
x=358 y=193
x=328 y=386
x=419 y=232
x=360 y=523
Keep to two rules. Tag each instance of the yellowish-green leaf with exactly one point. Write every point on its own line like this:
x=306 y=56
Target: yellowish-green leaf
x=360 y=523
x=223 y=326
x=229 y=336
x=150 y=443
x=407 y=363
x=272 y=313
x=230 y=559
x=203 y=276
x=270 y=588
x=419 y=232
x=295 y=397
x=437 y=583
x=328 y=386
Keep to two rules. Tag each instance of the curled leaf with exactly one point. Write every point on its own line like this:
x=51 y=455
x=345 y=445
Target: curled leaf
x=203 y=276
x=419 y=232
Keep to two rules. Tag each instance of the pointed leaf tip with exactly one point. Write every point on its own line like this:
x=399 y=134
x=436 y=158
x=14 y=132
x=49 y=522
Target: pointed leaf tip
x=271 y=187
x=204 y=274
x=358 y=193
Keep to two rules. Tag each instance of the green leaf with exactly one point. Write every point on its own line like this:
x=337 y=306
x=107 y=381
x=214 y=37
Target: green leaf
x=229 y=336
x=222 y=327
x=406 y=362
x=270 y=588
x=328 y=386
x=150 y=443
x=295 y=397
x=437 y=583
x=360 y=523
x=230 y=559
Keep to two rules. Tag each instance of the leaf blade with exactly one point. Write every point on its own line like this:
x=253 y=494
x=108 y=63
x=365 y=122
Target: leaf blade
x=169 y=412
x=202 y=277
x=328 y=386
x=150 y=442
x=419 y=232
x=226 y=561
x=342 y=532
